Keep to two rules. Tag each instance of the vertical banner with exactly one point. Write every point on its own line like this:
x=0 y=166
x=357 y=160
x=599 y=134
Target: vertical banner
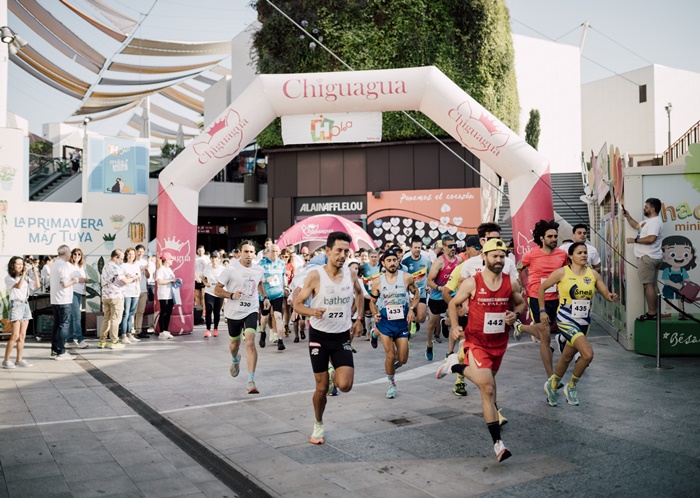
x=429 y=214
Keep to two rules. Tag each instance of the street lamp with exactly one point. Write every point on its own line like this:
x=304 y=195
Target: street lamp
x=668 y=111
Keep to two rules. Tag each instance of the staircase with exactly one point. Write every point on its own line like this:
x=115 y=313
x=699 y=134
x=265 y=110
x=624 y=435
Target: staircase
x=567 y=190
x=679 y=149
x=48 y=177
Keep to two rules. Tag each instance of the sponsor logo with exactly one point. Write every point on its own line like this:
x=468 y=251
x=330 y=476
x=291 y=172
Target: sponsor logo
x=324 y=129
x=330 y=92
x=315 y=351
x=311 y=230
x=180 y=251
x=478 y=363
x=587 y=281
x=222 y=139
x=482 y=291
x=478 y=130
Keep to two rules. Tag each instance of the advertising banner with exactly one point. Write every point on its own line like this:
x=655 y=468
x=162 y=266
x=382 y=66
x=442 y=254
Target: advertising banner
x=429 y=214
x=329 y=128
x=340 y=205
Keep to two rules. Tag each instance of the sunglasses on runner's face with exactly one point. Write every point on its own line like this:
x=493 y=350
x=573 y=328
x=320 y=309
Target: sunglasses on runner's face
x=451 y=246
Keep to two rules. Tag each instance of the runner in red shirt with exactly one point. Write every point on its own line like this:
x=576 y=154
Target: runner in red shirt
x=490 y=300
x=536 y=266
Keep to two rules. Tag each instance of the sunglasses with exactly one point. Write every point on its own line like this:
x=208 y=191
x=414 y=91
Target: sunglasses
x=451 y=246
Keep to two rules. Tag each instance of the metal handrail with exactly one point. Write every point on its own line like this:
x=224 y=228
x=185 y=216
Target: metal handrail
x=680 y=146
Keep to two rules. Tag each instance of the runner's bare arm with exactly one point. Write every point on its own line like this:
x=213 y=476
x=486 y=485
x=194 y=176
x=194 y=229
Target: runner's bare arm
x=519 y=305
x=261 y=291
x=603 y=289
x=434 y=271
x=220 y=291
x=310 y=285
x=359 y=304
x=374 y=295
x=554 y=278
x=410 y=284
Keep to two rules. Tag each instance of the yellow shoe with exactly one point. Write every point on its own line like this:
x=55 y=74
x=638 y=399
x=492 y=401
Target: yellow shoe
x=501 y=419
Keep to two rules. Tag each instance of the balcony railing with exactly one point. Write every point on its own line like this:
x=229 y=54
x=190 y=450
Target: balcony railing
x=680 y=147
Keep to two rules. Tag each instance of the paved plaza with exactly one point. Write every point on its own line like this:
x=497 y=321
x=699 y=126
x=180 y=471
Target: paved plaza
x=165 y=418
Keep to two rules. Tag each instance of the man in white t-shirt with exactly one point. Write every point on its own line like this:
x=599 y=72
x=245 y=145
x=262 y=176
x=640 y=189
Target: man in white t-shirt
x=647 y=249
x=200 y=264
x=61 y=299
x=142 y=261
x=580 y=235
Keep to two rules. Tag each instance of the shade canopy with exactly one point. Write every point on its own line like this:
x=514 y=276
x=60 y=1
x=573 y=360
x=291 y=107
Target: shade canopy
x=317 y=229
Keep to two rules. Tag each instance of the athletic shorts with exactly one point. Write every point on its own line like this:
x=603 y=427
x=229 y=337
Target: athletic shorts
x=199 y=285
x=570 y=331
x=396 y=329
x=422 y=300
x=237 y=327
x=275 y=305
x=437 y=306
x=324 y=346
x=462 y=321
x=484 y=357
x=551 y=306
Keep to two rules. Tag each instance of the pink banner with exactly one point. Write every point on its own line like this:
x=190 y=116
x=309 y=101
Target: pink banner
x=536 y=206
x=174 y=235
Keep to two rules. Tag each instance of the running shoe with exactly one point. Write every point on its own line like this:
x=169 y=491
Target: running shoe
x=391 y=393
x=207 y=334
x=334 y=392
x=115 y=345
x=63 y=357
x=83 y=345
x=501 y=419
x=373 y=340
x=101 y=345
x=24 y=363
x=502 y=453
x=551 y=393
x=438 y=338
x=133 y=338
x=251 y=389
x=353 y=349
x=262 y=339
x=8 y=364
x=235 y=366
x=303 y=335
x=517 y=333
x=216 y=333
x=286 y=331
x=296 y=339
x=317 y=434
x=331 y=384
x=445 y=328
x=460 y=388
x=446 y=368
x=273 y=338
x=429 y=354
x=571 y=394
x=280 y=345
x=125 y=340
x=397 y=364
x=413 y=329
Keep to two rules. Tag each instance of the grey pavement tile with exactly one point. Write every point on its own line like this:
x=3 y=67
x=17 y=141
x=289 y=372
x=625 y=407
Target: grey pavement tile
x=36 y=470
x=172 y=453
x=68 y=431
x=142 y=457
x=309 y=454
x=151 y=471
x=196 y=473
x=127 y=445
x=99 y=455
x=228 y=444
x=74 y=446
x=109 y=425
x=73 y=472
x=12 y=433
x=44 y=486
x=291 y=438
x=214 y=489
x=107 y=486
x=168 y=487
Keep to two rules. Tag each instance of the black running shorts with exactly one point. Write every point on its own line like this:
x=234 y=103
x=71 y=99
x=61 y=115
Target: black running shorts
x=237 y=327
x=275 y=305
x=324 y=346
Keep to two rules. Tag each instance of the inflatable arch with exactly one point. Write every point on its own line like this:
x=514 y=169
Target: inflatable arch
x=424 y=89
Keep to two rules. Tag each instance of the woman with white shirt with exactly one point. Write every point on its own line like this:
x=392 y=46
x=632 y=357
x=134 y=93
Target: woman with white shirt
x=77 y=270
x=164 y=280
x=19 y=312
x=213 y=303
x=132 y=269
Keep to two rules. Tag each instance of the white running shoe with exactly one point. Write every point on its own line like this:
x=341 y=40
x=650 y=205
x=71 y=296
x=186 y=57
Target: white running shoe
x=446 y=368
x=8 y=364
x=125 y=340
x=317 y=434
x=502 y=453
x=63 y=357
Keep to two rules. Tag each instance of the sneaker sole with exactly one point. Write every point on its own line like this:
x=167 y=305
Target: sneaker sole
x=317 y=441
x=546 y=393
x=253 y=391
x=460 y=394
x=566 y=394
x=234 y=371
x=505 y=455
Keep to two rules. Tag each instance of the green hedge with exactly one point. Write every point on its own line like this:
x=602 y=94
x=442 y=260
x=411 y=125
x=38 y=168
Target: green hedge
x=468 y=40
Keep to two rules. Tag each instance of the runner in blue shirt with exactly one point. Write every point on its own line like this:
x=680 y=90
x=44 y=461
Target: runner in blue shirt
x=273 y=281
x=419 y=266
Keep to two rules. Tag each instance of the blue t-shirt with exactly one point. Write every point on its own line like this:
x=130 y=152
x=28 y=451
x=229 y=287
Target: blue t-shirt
x=274 y=278
x=369 y=273
x=419 y=268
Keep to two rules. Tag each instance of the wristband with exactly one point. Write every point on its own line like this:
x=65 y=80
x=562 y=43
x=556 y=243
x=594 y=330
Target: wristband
x=230 y=296
x=543 y=311
x=517 y=315
x=636 y=239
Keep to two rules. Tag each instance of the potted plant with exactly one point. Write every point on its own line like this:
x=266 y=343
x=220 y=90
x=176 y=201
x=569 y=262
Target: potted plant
x=7 y=176
x=109 y=241
x=117 y=220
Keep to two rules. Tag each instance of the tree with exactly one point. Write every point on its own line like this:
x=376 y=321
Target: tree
x=170 y=151
x=532 y=129
x=468 y=40
x=41 y=148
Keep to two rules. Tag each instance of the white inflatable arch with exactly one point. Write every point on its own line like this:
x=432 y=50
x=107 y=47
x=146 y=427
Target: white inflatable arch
x=424 y=89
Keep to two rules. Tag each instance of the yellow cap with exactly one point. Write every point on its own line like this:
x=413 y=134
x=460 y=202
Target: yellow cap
x=494 y=245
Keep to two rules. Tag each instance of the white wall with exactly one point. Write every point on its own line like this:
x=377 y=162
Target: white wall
x=549 y=80
x=60 y=134
x=216 y=98
x=612 y=112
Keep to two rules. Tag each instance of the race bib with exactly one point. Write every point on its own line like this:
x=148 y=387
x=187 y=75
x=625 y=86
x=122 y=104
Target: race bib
x=274 y=281
x=549 y=289
x=580 y=308
x=246 y=302
x=394 y=312
x=494 y=323
x=335 y=315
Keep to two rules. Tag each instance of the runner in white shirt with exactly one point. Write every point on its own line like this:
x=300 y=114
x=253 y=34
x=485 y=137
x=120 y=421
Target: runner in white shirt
x=332 y=289
x=240 y=283
x=580 y=234
x=212 y=302
x=200 y=264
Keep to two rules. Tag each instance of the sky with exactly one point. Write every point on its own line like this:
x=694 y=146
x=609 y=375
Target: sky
x=624 y=35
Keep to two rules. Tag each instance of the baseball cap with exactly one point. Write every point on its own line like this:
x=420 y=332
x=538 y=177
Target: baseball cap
x=396 y=248
x=388 y=253
x=474 y=242
x=166 y=255
x=495 y=245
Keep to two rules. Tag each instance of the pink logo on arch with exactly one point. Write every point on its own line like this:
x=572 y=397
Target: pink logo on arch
x=222 y=139
x=180 y=250
x=478 y=130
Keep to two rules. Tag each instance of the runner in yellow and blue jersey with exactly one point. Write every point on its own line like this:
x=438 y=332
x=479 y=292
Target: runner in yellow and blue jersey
x=576 y=283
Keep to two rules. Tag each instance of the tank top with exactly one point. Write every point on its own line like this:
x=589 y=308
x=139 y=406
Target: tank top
x=487 y=314
x=444 y=275
x=393 y=297
x=337 y=299
x=575 y=295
